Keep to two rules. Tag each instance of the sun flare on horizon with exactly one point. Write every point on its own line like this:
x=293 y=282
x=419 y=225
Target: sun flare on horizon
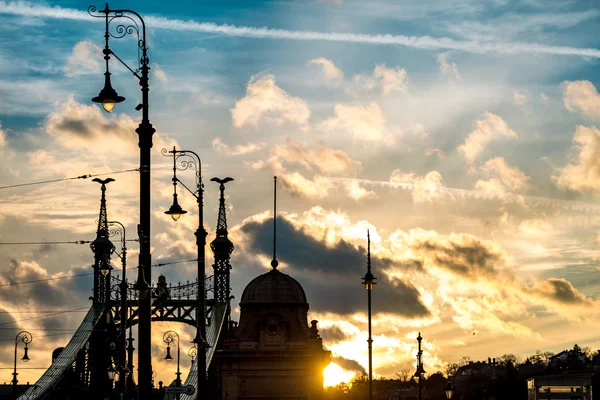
x=334 y=375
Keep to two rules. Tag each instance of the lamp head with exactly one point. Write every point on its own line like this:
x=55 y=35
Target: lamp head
x=175 y=211
x=449 y=390
x=25 y=356
x=111 y=373
x=108 y=96
x=105 y=268
x=168 y=356
x=141 y=286
x=369 y=280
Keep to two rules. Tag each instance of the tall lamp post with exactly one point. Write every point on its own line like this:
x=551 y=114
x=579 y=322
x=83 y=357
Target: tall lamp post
x=170 y=337
x=420 y=371
x=108 y=98
x=26 y=338
x=122 y=366
x=175 y=211
x=369 y=282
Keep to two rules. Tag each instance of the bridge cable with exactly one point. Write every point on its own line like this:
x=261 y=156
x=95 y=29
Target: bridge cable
x=67 y=179
x=85 y=274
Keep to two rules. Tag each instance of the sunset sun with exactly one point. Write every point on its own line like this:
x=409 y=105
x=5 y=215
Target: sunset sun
x=334 y=375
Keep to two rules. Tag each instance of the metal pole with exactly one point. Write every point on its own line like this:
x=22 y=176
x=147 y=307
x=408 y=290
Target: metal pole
x=370 y=349
x=145 y=132
x=178 y=373
x=14 y=382
x=200 y=313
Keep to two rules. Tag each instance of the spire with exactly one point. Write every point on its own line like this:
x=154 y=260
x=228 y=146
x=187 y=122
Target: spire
x=103 y=219
x=102 y=247
x=368 y=251
x=274 y=262
x=222 y=219
x=222 y=249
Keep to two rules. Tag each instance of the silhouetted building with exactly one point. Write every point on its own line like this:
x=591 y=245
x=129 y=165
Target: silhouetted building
x=568 y=386
x=273 y=353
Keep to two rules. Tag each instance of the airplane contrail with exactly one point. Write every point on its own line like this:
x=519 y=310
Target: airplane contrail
x=455 y=193
x=420 y=42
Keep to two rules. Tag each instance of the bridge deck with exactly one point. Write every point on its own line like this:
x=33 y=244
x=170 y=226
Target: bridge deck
x=66 y=358
x=217 y=319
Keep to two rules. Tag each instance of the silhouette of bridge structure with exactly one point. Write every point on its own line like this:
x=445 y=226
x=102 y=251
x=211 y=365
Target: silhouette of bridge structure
x=79 y=370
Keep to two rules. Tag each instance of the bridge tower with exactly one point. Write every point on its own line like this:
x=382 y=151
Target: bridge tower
x=102 y=248
x=222 y=249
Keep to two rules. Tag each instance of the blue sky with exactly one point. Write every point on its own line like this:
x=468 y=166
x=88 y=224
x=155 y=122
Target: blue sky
x=462 y=133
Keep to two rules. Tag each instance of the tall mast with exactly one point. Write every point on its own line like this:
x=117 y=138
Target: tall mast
x=102 y=247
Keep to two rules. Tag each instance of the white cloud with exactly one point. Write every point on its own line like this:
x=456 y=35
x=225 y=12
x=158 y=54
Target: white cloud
x=332 y=73
x=535 y=227
x=357 y=192
x=543 y=98
x=383 y=80
x=365 y=123
x=488 y=128
x=159 y=73
x=324 y=158
x=239 y=149
x=510 y=177
x=582 y=97
x=265 y=100
x=583 y=172
x=520 y=98
x=425 y=189
x=85 y=59
x=420 y=132
x=316 y=188
x=437 y=152
x=446 y=68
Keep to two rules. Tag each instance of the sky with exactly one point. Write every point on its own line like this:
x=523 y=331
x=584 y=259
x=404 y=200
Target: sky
x=462 y=134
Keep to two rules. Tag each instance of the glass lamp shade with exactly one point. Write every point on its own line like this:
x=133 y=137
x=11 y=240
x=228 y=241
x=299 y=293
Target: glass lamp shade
x=108 y=96
x=108 y=105
x=105 y=269
x=25 y=356
x=449 y=390
x=111 y=372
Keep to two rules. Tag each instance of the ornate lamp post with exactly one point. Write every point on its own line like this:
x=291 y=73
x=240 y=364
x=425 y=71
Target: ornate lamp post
x=420 y=371
x=108 y=97
x=122 y=366
x=170 y=337
x=175 y=211
x=22 y=337
x=369 y=282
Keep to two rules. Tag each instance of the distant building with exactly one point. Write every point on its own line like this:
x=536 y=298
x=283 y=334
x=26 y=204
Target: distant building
x=555 y=387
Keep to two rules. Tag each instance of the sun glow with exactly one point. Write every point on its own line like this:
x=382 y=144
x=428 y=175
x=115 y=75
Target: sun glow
x=334 y=375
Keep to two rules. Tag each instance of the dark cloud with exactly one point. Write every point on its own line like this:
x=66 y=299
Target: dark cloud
x=348 y=365
x=562 y=291
x=331 y=276
x=464 y=255
x=333 y=334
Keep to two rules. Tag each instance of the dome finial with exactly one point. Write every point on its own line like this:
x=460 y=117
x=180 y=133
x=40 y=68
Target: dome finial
x=274 y=262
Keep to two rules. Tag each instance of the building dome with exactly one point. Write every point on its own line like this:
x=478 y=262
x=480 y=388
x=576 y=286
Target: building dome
x=274 y=287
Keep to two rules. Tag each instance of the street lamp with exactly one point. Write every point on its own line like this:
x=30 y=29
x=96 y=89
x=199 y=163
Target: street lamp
x=420 y=371
x=193 y=352
x=123 y=317
x=449 y=390
x=369 y=282
x=170 y=337
x=108 y=97
x=175 y=211
x=26 y=338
